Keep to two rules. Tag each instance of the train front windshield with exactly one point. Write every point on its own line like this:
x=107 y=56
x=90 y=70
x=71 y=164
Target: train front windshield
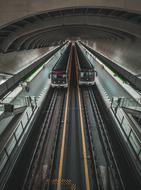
x=59 y=78
x=87 y=75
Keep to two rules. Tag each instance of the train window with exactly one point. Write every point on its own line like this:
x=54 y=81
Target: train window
x=82 y=75
x=86 y=74
x=91 y=74
x=54 y=76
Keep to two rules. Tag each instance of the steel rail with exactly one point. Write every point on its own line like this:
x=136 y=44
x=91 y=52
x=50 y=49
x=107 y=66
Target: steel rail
x=49 y=175
x=38 y=149
x=106 y=143
x=91 y=143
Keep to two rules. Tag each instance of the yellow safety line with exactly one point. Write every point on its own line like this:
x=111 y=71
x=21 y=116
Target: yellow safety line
x=83 y=137
x=64 y=134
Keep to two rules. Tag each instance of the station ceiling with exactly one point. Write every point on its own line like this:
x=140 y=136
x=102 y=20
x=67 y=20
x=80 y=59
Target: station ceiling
x=33 y=24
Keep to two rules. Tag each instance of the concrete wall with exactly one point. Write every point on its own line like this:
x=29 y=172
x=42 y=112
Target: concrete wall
x=125 y=53
x=14 y=62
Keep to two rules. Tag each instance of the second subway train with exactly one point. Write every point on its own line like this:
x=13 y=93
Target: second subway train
x=60 y=72
x=86 y=71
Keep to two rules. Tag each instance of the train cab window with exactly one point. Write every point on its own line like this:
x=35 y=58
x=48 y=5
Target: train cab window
x=54 y=76
x=91 y=74
x=61 y=77
x=87 y=74
x=82 y=74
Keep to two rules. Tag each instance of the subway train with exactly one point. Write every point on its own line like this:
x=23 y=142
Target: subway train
x=86 y=71
x=59 y=73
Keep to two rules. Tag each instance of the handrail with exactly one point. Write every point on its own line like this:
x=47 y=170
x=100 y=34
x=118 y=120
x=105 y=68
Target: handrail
x=131 y=134
x=6 y=152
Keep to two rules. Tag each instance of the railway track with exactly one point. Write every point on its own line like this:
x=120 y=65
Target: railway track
x=41 y=164
x=108 y=175
x=70 y=168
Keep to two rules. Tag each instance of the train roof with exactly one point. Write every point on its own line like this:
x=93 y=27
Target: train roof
x=84 y=63
x=62 y=63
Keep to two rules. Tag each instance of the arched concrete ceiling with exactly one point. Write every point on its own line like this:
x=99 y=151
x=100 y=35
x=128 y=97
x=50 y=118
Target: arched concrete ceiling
x=33 y=24
x=12 y=10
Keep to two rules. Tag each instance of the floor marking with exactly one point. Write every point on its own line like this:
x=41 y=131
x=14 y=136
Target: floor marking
x=64 y=132
x=83 y=136
x=64 y=182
